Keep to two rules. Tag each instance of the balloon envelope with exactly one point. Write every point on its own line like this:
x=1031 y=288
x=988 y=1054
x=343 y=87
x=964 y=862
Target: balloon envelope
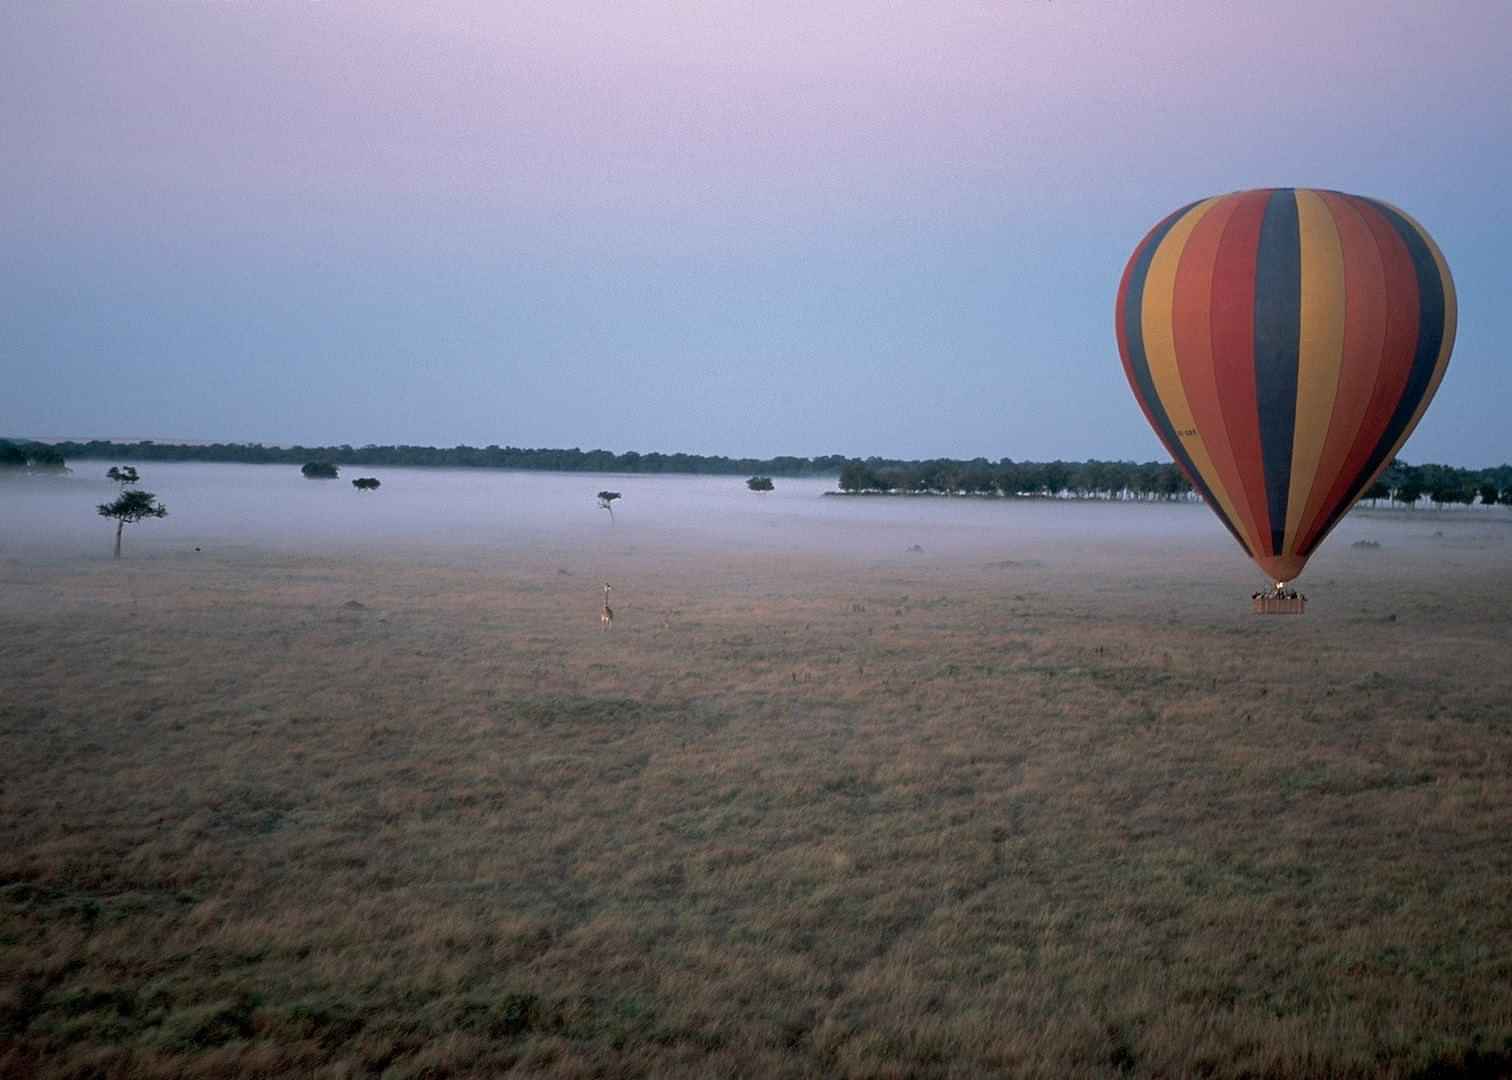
x=1283 y=344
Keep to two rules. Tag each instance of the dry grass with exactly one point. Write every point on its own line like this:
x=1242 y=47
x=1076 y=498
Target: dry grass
x=794 y=816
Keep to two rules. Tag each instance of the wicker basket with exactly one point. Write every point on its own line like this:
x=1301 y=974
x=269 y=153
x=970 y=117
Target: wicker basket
x=1280 y=605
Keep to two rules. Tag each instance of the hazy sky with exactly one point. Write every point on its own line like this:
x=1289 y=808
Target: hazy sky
x=752 y=228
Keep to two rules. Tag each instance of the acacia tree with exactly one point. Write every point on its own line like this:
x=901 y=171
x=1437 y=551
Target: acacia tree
x=606 y=502
x=125 y=475
x=760 y=483
x=130 y=507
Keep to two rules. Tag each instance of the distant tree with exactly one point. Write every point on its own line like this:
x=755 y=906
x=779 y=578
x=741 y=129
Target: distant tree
x=1396 y=473
x=760 y=483
x=1409 y=490
x=1488 y=494
x=130 y=507
x=1094 y=478
x=1031 y=477
x=45 y=457
x=976 y=479
x=936 y=476
x=124 y=475
x=857 y=476
x=319 y=470
x=1008 y=480
x=1120 y=478
x=1449 y=491
x=1173 y=483
x=12 y=456
x=606 y=502
x=1376 y=492
x=366 y=483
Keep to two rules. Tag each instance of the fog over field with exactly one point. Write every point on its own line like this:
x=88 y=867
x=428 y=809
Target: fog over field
x=489 y=514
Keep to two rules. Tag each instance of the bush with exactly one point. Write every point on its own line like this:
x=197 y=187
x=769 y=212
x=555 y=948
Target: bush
x=319 y=470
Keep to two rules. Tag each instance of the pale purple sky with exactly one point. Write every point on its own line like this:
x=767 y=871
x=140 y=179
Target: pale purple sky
x=750 y=228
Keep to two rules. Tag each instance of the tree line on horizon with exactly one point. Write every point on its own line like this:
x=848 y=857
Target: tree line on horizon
x=1402 y=483
x=20 y=454
x=1083 y=479
x=572 y=459
x=1444 y=485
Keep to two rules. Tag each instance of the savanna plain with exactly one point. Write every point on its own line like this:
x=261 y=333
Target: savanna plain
x=852 y=788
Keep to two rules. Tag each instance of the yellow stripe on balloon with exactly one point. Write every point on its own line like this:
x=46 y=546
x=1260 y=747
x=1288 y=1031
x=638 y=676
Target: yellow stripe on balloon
x=1321 y=354
x=1156 y=319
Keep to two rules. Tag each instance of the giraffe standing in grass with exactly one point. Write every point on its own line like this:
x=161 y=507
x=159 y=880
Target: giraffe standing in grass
x=606 y=617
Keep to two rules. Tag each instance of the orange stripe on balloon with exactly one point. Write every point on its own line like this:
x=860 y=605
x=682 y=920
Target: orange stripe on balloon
x=1320 y=352
x=1364 y=337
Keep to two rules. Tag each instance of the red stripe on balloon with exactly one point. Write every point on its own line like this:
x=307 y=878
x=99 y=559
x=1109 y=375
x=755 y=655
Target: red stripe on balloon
x=1233 y=349
x=1191 y=325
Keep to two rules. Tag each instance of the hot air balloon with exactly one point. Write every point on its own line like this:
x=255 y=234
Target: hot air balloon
x=1283 y=344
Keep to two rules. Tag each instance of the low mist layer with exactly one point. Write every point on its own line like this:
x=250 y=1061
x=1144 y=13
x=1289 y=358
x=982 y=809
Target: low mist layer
x=438 y=514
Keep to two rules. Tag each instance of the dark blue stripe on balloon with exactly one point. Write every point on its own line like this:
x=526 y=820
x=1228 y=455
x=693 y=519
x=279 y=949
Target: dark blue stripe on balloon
x=1432 y=314
x=1133 y=318
x=1278 y=331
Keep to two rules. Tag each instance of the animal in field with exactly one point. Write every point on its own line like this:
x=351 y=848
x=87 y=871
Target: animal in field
x=606 y=617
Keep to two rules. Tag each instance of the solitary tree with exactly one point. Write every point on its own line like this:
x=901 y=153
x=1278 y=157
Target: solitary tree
x=759 y=483
x=319 y=470
x=365 y=483
x=130 y=507
x=606 y=502
x=124 y=475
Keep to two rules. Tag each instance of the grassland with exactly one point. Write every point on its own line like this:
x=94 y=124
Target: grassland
x=927 y=815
